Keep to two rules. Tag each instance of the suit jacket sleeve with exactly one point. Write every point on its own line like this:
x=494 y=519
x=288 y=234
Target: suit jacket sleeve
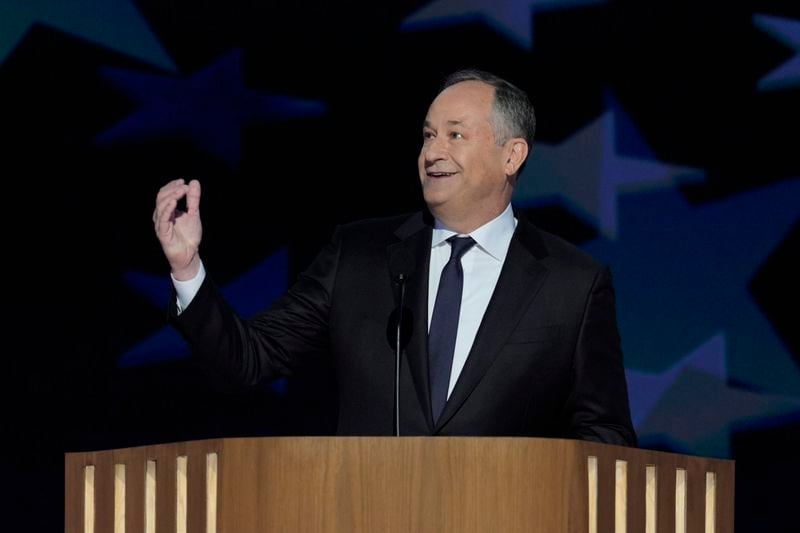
x=598 y=407
x=271 y=344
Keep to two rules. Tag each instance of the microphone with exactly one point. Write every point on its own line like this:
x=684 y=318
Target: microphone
x=401 y=266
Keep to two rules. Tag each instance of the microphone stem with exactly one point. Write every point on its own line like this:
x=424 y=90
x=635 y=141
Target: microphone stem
x=402 y=281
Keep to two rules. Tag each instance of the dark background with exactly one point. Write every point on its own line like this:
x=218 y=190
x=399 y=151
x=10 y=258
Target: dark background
x=102 y=102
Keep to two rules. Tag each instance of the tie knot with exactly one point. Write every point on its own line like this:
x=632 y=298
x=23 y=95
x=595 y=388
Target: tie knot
x=459 y=246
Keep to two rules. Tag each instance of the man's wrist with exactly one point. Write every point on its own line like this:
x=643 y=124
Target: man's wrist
x=189 y=272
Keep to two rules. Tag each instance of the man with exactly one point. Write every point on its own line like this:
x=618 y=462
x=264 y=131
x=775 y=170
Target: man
x=511 y=330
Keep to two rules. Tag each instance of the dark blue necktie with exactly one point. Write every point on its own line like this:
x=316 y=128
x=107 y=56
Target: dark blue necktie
x=444 y=324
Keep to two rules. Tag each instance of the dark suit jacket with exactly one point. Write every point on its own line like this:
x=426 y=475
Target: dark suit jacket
x=546 y=360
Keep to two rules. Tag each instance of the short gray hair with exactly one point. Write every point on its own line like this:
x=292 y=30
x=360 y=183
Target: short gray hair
x=512 y=112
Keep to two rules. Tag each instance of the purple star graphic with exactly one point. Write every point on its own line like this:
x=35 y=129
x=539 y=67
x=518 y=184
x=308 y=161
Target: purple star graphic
x=210 y=107
x=788 y=32
x=681 y=277
x=588 y=171
x=512 y=18
x=692 y=408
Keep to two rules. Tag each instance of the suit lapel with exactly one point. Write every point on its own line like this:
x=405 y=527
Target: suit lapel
x=520 y=280
x=415 y=235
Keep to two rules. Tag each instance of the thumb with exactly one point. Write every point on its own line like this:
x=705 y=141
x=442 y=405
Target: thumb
x=193 y=197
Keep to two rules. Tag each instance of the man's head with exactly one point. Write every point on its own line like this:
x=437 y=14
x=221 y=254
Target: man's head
x=476 y=137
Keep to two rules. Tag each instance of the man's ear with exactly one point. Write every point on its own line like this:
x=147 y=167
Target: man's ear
x=516 y=153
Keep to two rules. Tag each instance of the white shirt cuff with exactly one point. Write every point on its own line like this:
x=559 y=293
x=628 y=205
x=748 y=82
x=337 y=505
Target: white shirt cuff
x=187 y=290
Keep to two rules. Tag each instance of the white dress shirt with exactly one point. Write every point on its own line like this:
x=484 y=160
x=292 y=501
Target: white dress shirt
x=481 y=265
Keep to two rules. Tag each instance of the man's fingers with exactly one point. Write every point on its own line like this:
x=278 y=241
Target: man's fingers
x=171 y=185
x=166 y=204
x=173 y=194
x=167 y=198
x=169 y=189
x=164 y=216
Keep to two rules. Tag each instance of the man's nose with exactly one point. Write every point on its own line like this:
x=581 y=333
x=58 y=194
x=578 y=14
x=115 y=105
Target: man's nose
x=434 y=150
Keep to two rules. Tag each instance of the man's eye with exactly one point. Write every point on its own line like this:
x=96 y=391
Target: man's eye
x=456 y=135
x=427 y=135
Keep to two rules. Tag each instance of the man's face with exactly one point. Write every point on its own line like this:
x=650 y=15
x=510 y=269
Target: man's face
x=460 y=164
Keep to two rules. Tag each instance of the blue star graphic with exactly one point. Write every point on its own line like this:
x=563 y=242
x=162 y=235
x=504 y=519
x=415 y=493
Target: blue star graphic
x=786 y=31
x=210 y=107
x=115 y=24
x=682 y=276
x=254 y=291
x=692 y=408
x=646 y=388
x=512 y=18
x=588 y=171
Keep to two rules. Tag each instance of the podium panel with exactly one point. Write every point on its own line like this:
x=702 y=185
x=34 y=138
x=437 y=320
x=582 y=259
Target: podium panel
x=390 y=484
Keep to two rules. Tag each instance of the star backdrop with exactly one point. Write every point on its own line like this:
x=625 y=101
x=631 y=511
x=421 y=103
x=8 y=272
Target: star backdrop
x=666 y=146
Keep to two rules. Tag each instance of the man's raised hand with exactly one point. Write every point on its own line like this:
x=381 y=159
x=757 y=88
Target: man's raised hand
x=178 y=231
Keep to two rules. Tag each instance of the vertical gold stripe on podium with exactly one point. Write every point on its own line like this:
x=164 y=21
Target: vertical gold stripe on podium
x=211 y=493
x=181 y=499
x=680 y=500
x=621 y=497
x=592 y=471
x=150 y=497
x=711 y=502
x=88 y=499
x=650 y=498
x=119 y=498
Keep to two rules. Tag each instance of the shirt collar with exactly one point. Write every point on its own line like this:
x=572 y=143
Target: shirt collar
x=493 y=237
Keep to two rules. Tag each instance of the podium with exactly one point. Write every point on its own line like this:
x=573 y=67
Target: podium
x=395 y=484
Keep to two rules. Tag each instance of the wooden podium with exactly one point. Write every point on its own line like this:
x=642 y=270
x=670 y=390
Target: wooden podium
x=389 y=484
